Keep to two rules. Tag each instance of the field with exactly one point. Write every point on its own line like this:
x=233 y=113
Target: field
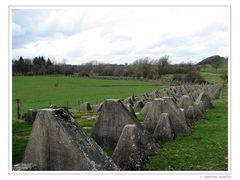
x=205 y=149
x=39 y=92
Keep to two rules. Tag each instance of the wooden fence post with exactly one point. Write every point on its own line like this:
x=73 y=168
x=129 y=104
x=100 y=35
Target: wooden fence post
x=18 y=109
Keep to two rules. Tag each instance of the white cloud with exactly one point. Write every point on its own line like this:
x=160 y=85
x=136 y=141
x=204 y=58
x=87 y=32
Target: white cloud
x=17 y=29
x=118 y=35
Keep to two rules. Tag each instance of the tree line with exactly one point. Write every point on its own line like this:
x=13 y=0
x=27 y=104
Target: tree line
x=141 y=68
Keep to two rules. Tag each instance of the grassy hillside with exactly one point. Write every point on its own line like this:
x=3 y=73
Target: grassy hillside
x=210 y=74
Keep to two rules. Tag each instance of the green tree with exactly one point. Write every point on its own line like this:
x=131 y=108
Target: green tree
x=216 y=65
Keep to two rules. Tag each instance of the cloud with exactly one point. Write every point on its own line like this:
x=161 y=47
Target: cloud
x=121 y=34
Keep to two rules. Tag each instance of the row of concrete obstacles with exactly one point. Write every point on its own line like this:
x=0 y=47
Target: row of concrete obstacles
x=57 y=142
x=117 y=127
x=30 y=115
x=167 y=113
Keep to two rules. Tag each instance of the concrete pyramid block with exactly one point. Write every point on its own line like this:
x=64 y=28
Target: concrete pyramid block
x=205 y=100
x=164 y=131
x=57 y=142
x=111 y=121
x=146 y=108
x=185 y=102
x=160 y=106
x=85 y=107
x=130 y=152
x=113 y=118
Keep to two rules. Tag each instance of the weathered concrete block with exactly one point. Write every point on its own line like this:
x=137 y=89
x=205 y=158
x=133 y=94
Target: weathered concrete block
x=185 y=102
x=146 y=108
x=30 y=115
x=160 y=106
x=205 y=100
x=113 y=117
x=130 y=152
x=111 y=121
x=139 y=104
x=25 y=167
x=85 y=107
x=164 y=131
x=57 y=142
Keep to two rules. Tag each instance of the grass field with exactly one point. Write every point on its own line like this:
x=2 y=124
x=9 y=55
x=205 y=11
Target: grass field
x=205 y=149
x=38 y=92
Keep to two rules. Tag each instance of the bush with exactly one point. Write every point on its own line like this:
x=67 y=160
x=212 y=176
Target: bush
x=177 y=77
x=194 y=77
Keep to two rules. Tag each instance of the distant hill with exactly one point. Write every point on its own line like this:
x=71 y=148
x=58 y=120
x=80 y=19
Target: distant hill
x=211 y=60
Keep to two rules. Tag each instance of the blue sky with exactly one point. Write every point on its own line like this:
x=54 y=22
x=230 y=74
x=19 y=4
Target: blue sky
x=120 y=34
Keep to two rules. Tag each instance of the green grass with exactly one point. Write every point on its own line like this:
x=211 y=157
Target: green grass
x=140 y=117
x=108 y=151
x=205 y=149
x=38 y=92
x=210 y=73
x=20 y=133
x=223 y=68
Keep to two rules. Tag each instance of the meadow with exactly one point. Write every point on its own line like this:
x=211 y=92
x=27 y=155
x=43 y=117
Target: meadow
x=40 y=91
x=205 y=149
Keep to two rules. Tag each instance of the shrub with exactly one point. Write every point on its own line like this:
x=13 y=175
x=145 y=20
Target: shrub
x=177 y=77
x=194 y=77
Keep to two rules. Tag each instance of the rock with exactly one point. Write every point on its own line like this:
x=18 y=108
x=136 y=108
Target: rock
x=164 y=131
x=99 y=107
x=190 y=114
x=155 y=94
x=183 y=116
x=139 y=104
x=130 y=109
x=85 y=107
x=160 y=106
x=129 y=100
x=25 y=167
x=205 y=100
x=57 y=142
x=144 y=98
x=146 y=108
x=215 y=91
x=197 y=111
x=110 y=123
x=200 y=106
x=130 y=152
x=185 y=102
x=30 y=115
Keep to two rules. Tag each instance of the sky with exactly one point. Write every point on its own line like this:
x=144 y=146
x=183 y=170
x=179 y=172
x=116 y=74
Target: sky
x=120 y=34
